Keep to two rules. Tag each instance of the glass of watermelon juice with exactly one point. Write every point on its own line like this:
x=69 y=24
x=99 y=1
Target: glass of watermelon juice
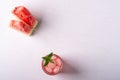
x=52 y=64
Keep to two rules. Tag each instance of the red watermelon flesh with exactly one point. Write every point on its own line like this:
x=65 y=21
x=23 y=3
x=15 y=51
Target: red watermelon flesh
x=20 y=26
x=23 y=14
x=26 y=22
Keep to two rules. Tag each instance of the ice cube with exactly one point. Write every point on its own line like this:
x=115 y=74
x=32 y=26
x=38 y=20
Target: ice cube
x=51 y=65
x=56 y=69
x=59 y=62
x=48 y=69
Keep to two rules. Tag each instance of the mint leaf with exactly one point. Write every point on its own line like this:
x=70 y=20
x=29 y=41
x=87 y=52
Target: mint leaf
x=51 y=61
x=48 y=59
x=50 y=55
x=44 y=58
x=46 y=62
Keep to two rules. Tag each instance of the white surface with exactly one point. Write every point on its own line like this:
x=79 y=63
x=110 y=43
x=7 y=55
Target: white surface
x=85 y=33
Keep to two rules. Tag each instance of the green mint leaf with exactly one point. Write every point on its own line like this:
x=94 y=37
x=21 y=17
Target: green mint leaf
x=44 y=58
x=51 y=61
x=46 y=62
x=48 y=59
x=50 y=55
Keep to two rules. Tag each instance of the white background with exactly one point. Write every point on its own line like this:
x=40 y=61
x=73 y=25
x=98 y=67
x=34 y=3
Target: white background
x=85 y=33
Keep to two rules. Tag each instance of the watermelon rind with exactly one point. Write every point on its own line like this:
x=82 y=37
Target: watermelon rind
x=33 y=29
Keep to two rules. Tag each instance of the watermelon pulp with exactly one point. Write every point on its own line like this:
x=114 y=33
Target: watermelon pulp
x=23 y=14
x=20 y=26
x=26 y=22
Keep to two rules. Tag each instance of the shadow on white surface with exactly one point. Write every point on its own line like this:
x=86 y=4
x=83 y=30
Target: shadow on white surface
x=70 y=72
x=69 y=69
x=43 y=23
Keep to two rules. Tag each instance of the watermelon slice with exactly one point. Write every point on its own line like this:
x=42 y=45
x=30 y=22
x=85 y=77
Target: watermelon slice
x=26 y=22
x=52 y=64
